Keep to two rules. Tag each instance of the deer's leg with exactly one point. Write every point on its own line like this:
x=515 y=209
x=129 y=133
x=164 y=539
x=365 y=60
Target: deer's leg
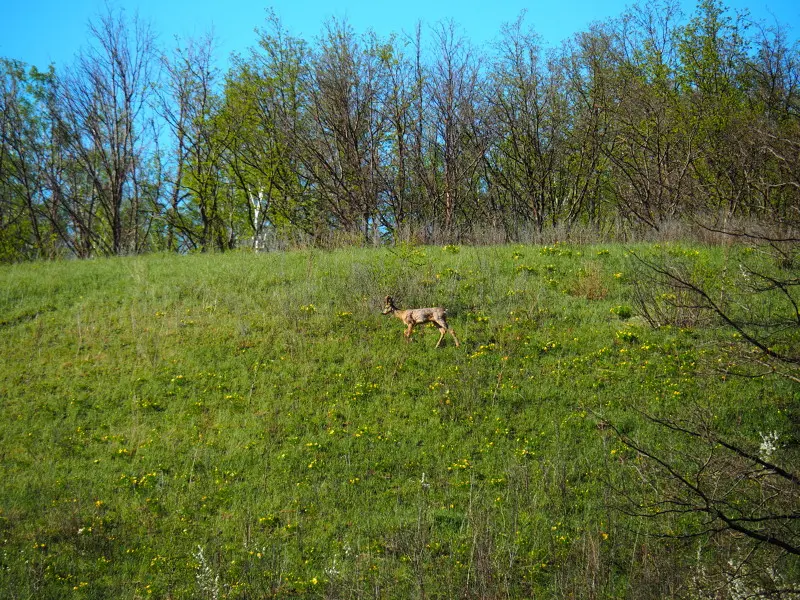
x=408 y=332
x=453 y=333
x=442 y=325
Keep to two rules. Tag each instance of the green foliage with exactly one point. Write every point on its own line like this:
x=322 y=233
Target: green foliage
x=249 y=425
x=641 y=125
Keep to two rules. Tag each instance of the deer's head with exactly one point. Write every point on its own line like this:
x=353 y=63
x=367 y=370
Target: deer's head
x=388 y=305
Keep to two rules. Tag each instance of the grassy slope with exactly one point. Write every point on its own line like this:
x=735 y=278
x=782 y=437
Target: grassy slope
x=251 y=425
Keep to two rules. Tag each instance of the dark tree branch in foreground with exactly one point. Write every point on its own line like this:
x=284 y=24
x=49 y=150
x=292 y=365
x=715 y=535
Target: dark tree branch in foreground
x=670 y=277
x=739 y=492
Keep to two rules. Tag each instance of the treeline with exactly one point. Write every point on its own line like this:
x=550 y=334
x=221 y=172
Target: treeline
x=639 y=122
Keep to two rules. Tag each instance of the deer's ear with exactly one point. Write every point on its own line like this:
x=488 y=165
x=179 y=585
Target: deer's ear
x=388 y=299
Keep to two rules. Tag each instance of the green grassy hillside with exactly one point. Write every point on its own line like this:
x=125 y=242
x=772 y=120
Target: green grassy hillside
x=249 y=426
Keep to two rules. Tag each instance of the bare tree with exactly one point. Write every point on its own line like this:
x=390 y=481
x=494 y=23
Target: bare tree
x=455 y=89
x=583 y=171
x=188 y=104
x=653 y=149
x=342 y=154
x=103 y=101
x=523 y=155
x=401 y=203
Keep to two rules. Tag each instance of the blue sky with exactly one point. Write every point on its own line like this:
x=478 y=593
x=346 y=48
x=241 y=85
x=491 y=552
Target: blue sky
x=54 y=30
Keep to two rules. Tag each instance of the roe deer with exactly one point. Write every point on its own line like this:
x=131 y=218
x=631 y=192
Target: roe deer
x=416 y=316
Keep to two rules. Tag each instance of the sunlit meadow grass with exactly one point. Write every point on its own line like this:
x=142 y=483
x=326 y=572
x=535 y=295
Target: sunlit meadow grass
x=250 y=426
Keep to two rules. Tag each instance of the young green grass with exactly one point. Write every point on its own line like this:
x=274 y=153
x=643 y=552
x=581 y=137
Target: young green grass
x=243 y=425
